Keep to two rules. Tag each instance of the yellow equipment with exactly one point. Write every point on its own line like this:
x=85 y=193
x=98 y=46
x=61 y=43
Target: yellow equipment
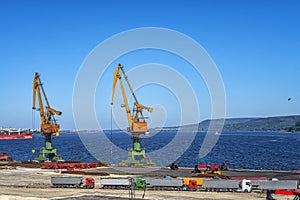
x=211 y=172
x=49 y=126
x=199 y=181
x=207 y=169
x=136 y=120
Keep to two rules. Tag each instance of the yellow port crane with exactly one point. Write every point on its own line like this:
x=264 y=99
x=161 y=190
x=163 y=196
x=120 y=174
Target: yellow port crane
x=49 y=127
x=136 y=120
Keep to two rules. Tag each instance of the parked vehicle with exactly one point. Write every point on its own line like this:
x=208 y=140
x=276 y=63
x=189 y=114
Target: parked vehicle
x=72 y=182
x=272 y=186
x=188 y=183
x=174 y=166
x=114 y=183
x=141 y=183
x=164 y=184
x=122 y=183
x=278 y=185
x=228 y=185
x=192 y=183
x=207 y=169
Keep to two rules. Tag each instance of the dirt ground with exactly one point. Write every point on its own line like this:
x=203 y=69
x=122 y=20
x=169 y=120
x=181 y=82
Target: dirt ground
x=32 y=184
x=186 y=172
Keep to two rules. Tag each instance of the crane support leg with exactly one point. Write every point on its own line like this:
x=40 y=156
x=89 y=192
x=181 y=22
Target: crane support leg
x=137 y=155
x=136 y=143
x=48 y=153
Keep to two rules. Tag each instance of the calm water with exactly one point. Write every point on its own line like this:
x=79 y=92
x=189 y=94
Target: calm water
x=251 y=150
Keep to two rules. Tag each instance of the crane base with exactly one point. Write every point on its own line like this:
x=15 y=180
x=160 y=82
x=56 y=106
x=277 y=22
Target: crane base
x=48 y=155
x=137 y=158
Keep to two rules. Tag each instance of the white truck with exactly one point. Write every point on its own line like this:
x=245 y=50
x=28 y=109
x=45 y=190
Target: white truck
x=228 y=185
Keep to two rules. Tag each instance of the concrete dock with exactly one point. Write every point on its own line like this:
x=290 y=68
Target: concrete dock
x=34 y=183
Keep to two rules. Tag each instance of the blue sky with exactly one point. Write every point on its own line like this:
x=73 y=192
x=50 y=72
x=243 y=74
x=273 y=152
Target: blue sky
x=255 y=45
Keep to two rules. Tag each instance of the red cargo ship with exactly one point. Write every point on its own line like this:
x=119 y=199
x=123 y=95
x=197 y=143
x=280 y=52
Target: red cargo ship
x=7 y=134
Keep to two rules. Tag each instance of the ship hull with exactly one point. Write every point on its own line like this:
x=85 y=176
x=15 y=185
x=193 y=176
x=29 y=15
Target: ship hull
x=15 y=136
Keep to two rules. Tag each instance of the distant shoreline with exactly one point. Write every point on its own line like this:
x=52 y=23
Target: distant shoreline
x=285 y=124
x=168 y=130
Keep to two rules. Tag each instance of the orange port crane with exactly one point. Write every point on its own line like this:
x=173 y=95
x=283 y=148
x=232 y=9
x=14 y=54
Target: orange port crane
x=49 y=127
x=136 y=120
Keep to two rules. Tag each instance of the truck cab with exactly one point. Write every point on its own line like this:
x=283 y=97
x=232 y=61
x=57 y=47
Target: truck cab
x=89 y=183
x=140 y=183
x=245 y=186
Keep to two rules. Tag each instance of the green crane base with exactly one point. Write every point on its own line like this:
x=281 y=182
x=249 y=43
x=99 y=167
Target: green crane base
x=136 y=155
x=48 y=155
x=137 y=158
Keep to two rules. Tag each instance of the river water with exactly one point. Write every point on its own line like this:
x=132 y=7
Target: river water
x=247 y=150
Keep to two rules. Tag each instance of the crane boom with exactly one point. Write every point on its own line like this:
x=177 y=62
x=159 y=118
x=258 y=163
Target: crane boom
x=136 y=119
x=36 y=90
x=117 y=77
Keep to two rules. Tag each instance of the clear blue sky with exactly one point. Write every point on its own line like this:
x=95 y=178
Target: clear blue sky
x=255 y=45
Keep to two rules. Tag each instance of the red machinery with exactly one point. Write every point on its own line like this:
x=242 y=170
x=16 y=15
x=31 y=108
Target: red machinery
x=207 y=169
x=5 y=157
x=288 y=192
